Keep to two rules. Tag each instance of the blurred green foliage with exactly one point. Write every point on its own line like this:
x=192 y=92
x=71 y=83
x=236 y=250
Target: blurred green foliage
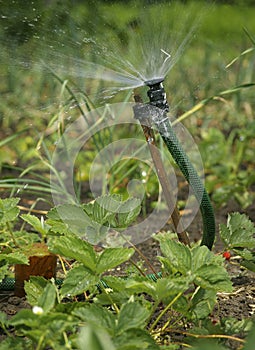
x=31 y=31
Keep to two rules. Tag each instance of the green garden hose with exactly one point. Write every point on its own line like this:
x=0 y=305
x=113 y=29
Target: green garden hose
x=8 y=283
x=160 y=119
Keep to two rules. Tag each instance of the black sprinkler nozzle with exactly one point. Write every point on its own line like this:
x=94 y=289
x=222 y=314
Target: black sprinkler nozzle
x=157 y=94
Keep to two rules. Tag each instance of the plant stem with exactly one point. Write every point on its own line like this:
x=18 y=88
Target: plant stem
x=165 y=310
x=109 y=297
x=209 y=336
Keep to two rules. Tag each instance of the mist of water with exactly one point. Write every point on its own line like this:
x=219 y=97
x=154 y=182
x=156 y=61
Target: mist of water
x=152 y=41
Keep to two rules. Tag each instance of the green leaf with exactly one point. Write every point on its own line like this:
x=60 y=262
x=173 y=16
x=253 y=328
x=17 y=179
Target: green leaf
x=214 y=277
x=35 y=223
x=78 y=280
x=238 y=232
x=8 y=209
x=73 y=247
x=141 y=285
x=34 y=289
x=94 y=338
x=96 y=316
x=201 y=256
x=250 y=341
x=169 y=286
x=202 y=303
x=178 y=255
x=68 y=218
x=135 y=339
x=112 y=257
x=111 y=211
x=249 y=265
x=23 y=318
x=15 y=258
x=48 y=298
x=15 y=343
x=128 y=212
x=131 y=315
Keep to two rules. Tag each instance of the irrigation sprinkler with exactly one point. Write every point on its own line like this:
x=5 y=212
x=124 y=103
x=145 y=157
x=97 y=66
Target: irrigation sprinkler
x=158 y=116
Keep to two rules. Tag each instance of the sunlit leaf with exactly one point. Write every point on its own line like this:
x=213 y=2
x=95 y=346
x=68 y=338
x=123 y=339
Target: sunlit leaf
x=15 y=258
x=112 y=257
x=68 y=218
x=34 y=288
x=214 y=277
x=8 y=209
x=178 y=255
x=71 y=246
x=35 y=223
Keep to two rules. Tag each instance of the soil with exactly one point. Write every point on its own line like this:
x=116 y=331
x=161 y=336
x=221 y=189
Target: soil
x=238 y=304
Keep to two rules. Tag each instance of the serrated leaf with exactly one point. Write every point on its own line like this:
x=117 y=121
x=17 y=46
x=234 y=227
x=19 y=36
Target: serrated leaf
x=202 y=303
x=73 y=247
x=128 y=212
x=8 y=209
x=34 y=288
x=96 y=316
x=238 y=232
x=48 y=297
x=201 y=256
x=169 y=286
x=111 y=211
x=112 y=257
x=34 y=222
x=178 y=255
x=78 y=280
x=95 y=339
x=15 y=258
x=68 y=218
x=131 y=315
x=214 y=277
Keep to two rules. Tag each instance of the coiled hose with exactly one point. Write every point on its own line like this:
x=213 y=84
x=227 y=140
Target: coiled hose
x=157 y=96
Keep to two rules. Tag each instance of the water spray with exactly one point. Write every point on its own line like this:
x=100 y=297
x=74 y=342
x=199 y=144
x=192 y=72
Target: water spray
x=158 y=116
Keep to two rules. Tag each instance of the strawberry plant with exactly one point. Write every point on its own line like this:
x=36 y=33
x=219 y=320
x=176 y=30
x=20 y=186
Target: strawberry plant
x=238 y=237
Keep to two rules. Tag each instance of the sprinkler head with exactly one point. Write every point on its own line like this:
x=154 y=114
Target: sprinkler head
x=153 y=82
x=157 y=94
